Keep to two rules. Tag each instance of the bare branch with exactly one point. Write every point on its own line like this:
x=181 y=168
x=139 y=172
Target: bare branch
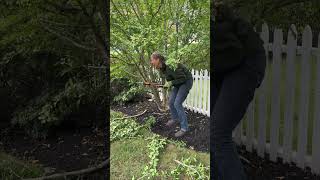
x=153 y=15
x=69 y=39
x=63 y=24
x=74 y=173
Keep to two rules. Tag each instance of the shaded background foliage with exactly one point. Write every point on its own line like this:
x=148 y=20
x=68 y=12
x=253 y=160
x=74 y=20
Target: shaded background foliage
x=45 y=49
x=281 y=13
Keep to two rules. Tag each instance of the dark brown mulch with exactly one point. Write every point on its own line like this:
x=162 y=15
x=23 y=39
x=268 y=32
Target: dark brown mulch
x=198 y=136
x=198 y=139
x=67 y=150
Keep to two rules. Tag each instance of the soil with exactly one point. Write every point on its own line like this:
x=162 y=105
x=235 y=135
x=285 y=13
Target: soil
x=197 y=138
x=67 y=150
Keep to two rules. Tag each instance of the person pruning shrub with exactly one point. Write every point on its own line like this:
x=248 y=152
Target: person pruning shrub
x=179 y=81
x=239 y=63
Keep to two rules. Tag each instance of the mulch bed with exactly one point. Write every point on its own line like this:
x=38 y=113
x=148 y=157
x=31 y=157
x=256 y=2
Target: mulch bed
x=198 y=139
x=66 y=150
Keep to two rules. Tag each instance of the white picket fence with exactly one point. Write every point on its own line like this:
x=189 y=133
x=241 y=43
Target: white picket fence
x=198 y=99
x=279 y=121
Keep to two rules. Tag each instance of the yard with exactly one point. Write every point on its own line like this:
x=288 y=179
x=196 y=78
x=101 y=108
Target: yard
x=137 y=152
x=197 y=141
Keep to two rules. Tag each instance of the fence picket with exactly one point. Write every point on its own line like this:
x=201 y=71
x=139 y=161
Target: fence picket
x=304 y=96
x=262 y=99
x=237 y=134
x=316 y=120
x=200 y=94
x=196 y=92
x=290 y=90
x=250 y=127
x=275 y=107
x=193 y=93
x=205 y=103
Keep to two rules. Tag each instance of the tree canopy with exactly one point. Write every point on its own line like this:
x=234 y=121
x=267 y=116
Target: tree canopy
x=178 y=29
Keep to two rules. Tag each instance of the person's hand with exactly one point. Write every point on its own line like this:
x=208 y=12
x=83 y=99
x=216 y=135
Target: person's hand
x=146 y=83
x=168 y=84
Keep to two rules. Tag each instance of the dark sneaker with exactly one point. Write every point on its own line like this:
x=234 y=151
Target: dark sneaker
x=180 y=133
x=170 y=122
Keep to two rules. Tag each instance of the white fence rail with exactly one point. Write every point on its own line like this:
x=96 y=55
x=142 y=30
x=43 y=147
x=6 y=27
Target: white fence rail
x=284 y=118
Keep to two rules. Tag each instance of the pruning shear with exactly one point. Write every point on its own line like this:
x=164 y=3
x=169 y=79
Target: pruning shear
x=151 y=84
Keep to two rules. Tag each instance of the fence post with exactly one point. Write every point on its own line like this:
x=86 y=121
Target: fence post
x=304 y=96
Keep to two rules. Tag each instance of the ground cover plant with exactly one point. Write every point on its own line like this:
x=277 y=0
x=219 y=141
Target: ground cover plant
x=146 y=155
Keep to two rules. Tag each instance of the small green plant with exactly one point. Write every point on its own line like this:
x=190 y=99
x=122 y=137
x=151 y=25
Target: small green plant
x=129 y=95
x=177 y=143
x=149 y=121
x=123 y=128
x=189 y=167
x=49 y=109
x=155 y=146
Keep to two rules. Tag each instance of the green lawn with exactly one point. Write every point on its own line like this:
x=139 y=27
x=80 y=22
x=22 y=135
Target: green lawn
x=12 y=168
x=129 y=156
x=282 y=103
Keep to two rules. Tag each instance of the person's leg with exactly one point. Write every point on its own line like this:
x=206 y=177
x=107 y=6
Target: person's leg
x=215 y=90
x=180 y=98
x=236 y=93
x=172 y=98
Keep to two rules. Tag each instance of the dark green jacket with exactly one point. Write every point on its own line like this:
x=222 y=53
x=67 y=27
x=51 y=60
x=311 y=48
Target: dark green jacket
x=178 y=77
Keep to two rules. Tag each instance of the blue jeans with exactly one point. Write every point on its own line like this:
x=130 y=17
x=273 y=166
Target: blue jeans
x=176 y=99
x=232 y=93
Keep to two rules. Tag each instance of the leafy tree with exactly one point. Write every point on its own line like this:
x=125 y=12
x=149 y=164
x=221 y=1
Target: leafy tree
x=179 y=29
